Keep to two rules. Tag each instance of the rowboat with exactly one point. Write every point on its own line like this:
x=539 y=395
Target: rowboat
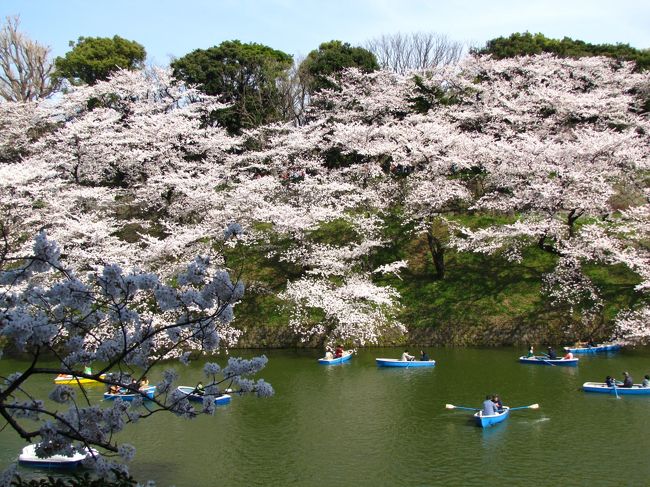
x=347 y=355
x=537 y=360
x=73 y=379
x=128 y=395
x=491 y=419
x=394 y=362
x=192 y=395
x=28 y=458
x=636 y=389
x=604 y=347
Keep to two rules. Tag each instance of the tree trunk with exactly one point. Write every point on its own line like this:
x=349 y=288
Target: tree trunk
x=437 y=249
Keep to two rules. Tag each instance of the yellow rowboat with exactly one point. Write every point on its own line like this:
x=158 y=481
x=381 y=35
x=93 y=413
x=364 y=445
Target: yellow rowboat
x=73 y=379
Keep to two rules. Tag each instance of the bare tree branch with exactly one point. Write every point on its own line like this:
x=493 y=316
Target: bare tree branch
x=418 y=51
x=25 y=67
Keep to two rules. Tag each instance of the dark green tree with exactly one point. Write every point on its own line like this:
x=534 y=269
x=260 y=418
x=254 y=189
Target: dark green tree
x=332 y=57
x=244 y=75
x=519 y=44
x=93 y=59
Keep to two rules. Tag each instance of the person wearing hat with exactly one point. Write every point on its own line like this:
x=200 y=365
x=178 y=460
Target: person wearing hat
x=627 y=380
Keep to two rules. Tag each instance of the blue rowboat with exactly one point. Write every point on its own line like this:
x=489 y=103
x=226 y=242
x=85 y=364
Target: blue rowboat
x=127 y=395
x=635 y=390
x=28 y=458
x=537 y=360
x=347 y=355
x=492 y=419
x=394 y=362
x=611 y=347
x=191 y=394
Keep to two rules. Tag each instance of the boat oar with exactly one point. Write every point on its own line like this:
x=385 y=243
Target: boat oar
x=451 y=406
x=616 y=391
x=532 y=406
x=546 y=361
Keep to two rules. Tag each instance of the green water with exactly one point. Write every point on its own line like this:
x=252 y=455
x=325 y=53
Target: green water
x=358 y=425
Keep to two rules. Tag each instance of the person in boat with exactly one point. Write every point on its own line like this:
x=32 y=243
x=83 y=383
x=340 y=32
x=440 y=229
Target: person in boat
x=406 y=357
x=114 y=389
x=339 y=351
x=497 y=402
x=627 y=380
x=88 y=370
x=646 y=381
x=489 y=408
x=568 y=355
x=591 y=343
x=144 y=382
x=199 y=389
x=424 y=356
x=329 y=353
x=551 y=353
x=531 y=352
x=609 y=381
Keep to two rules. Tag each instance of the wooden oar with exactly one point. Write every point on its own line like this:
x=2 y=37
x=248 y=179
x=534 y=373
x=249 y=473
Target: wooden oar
x=532 y=406
x=451 y=406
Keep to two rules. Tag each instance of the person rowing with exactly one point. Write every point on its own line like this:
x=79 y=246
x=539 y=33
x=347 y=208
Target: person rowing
x=406 y=357
x=489 y=407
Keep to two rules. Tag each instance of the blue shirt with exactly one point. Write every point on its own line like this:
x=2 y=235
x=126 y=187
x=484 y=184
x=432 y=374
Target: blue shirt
x=489 y=408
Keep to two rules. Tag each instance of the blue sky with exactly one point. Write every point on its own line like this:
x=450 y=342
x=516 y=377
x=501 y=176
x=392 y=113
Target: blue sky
x=175 y=27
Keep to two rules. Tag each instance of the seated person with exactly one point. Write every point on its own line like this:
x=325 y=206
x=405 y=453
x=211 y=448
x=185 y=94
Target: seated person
x=568 y=356
x=406 y=357
x=627 y=380
x=489 y=408
x=114 y=389
x=497 y=402
x=531 y=352
x=339 y=351
x=199 y=389
x=144 y=382
x=328 y=353
x=609 y=381
x=551 y=353
x=424 y=356
x=646 y=381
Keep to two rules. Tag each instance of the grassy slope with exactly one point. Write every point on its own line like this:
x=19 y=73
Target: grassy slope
x=482 y=300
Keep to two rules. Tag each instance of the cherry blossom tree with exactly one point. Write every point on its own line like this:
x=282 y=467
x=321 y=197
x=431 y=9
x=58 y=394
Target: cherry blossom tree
x=120 y=321
x=129 y=171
